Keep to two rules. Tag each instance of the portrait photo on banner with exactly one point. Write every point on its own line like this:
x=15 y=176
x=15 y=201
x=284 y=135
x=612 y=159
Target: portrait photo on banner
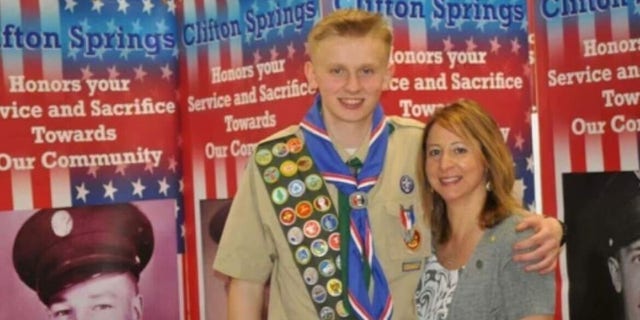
x=602 y=210
x=57 y=263
x=213 y=215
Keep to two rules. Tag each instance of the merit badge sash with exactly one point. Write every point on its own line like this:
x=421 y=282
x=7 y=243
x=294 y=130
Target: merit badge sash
x=308 y=219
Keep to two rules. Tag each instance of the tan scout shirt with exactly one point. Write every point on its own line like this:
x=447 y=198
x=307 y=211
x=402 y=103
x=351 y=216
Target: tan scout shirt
x=253 y=246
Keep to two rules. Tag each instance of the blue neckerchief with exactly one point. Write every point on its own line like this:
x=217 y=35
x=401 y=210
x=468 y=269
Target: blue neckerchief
x=335 y=171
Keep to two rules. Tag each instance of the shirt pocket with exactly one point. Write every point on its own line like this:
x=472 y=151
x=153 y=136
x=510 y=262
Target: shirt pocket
x=399 y=258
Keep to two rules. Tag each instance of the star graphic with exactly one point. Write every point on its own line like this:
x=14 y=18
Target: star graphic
x=448 y=45
x=109 y=190
x=161 y=26
x=140 y=73
x=136 y=27
x=530 y=165
x=113 y=72
x=164 y=186
x=111 y=26
x=97 y=6
x=471 y=45
x=519 y=141
x=138 y=188
x=515 y=46
x=123 y=5
x=256 y=57
x=70 y=5
x=149 y=167
x=147 y=5
x=73 y=53
x=166 y=72
x=274 y=53
x=93 y=171
x=171 y=6
x=82 y=193
x=495 y=45
x=121 y=169
x=291 y=50
x=173 y=164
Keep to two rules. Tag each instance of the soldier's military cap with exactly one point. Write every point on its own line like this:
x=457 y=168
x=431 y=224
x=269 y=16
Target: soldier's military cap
x=218 y=220
x=619 y=207
x=58 y=248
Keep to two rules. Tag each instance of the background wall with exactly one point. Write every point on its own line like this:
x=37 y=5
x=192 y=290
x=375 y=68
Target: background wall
x=207 y=80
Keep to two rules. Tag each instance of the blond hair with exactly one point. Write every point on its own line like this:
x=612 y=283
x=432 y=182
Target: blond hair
x=350 y=23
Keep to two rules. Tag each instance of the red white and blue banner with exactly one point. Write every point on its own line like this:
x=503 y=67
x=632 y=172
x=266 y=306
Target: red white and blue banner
x=88 y=110
x=241 y=79
x=587 y=56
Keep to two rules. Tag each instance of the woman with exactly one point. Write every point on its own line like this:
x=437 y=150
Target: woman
x=471 y=274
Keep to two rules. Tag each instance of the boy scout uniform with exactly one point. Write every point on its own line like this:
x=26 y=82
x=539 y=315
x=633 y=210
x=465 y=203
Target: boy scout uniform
x=254 y=246
x=58 y=248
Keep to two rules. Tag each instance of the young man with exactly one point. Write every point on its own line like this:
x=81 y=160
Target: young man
x=330 y=210
x=85 y=262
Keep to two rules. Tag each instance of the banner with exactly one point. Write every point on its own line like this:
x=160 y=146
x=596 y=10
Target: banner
x=88 y=106
x=241 y=79
x=587 y=79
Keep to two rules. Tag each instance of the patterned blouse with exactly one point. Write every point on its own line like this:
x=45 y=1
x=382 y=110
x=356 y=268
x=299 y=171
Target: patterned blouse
x=435 y=290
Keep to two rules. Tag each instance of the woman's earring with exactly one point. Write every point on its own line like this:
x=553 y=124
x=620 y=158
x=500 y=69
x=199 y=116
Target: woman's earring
x=487 y=186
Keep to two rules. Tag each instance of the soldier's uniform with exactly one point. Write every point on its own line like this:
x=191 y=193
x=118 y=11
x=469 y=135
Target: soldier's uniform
x=56 y=249
x=254 y=246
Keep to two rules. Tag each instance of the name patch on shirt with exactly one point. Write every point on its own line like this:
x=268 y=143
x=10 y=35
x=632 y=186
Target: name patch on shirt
x=411 y=266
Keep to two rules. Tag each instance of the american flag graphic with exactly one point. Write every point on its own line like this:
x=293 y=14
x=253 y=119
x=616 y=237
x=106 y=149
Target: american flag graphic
x=55 y=180
x=586 y=123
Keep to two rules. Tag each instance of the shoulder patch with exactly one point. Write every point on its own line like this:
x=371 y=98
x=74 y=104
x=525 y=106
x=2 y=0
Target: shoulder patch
x=400 y=122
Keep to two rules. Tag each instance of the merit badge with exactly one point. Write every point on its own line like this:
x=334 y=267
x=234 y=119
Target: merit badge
x=288 y=168
x=329 y=222
x=296 y=188
x=263 y=157
x=334 y=241
x=295 y=236
x=304 y=163
x=311 y=229
x=303 y=255
x=310 y=276
x=61 y=223
x=334 y=287
x=318 y=294
x=414 y=243
x=304 y=209
x=322 y=203
x=327 y=268
x=358 y=200
x=279 y=195
x=319 y=247
x=341 y=310
x=295 y=145
x=408 y=220
x=406 y=184
x=271 y=174
x=287 y=216
x=313 y=182
x=280 y=150
x=326 y=313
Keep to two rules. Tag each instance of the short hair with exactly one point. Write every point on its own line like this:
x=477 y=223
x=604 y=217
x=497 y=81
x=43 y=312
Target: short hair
x=350 y=23
x=467 y=119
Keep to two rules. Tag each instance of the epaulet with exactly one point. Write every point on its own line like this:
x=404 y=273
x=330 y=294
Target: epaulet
x=288 y=131
x=398 y=122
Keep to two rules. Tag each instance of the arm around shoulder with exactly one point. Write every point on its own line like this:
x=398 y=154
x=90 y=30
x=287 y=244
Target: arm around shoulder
x=245 y=300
